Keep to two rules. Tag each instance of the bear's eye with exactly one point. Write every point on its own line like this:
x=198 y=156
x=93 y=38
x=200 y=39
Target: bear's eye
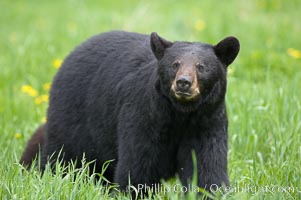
x=176 y=64
x=200 y=66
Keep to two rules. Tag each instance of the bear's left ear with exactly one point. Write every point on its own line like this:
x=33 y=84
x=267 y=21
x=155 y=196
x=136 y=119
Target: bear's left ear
x=227 y=50
x=158 y=45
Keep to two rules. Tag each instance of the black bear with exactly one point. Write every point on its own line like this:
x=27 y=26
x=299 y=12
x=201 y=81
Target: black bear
x=144 y=102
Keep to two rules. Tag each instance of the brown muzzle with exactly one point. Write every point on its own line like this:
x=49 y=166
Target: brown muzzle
x=185 y=86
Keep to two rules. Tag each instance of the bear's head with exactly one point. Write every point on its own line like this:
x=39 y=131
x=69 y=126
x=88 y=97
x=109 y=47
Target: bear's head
x=192 y=74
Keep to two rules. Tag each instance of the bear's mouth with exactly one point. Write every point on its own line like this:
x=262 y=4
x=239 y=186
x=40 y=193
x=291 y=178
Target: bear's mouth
x=185 y=96
x=185 y=102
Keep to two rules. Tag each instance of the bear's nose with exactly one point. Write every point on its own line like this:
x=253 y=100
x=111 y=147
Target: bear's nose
x=183 y=83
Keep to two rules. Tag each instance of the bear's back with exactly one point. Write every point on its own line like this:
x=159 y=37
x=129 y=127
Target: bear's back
x=98 y=64
x=108 y=57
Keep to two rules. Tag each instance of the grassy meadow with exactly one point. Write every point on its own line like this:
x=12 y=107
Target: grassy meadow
x=263 y=96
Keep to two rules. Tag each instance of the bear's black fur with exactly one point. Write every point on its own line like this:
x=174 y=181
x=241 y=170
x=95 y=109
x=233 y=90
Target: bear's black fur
x=33 y=147
x=145 y=103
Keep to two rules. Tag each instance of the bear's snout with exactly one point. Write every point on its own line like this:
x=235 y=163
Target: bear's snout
x=183 y=83
x=185 y=86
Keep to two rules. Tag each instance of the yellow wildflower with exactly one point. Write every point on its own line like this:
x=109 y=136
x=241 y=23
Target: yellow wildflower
x=294 y=53
x=18 y=135
x=57 y=63
x=200 y=25
x=47 y=86
x=41 y=99
x=44 y=119
x=27 y=89
x=231 y=70
x=13 y=37
x=72 y=27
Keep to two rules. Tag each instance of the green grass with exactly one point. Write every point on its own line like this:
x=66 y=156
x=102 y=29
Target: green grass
x=263 y=99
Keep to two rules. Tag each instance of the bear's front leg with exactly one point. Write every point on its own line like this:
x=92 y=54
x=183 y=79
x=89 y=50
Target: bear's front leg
x=210 y=148
x=132 y=169
x=143 y=158
x=139 y=165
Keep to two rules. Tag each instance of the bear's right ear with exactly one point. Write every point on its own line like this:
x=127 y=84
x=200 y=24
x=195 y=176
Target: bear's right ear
x=158 y=45
x=227 y=50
